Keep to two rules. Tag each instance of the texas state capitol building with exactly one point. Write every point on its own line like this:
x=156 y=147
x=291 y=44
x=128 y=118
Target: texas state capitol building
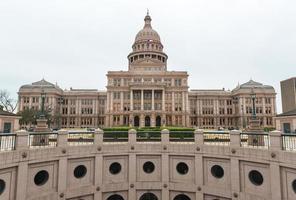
x=150 y=95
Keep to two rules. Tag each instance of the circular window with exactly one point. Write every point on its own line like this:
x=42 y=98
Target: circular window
x=115 y=168
x=256 y=177
x=115 y=197
x=148 y=167
x=80 y=171
x=148 y=196
x=217 y=171
x=2 y=186
x=181 y=197
x=41 y=178
x=293 y=186
x=182 y=168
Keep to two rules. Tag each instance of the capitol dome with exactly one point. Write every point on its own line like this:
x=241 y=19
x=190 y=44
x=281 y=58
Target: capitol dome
x=147 y=33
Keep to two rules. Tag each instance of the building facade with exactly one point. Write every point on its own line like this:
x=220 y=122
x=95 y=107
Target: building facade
x=147 y=94
x=9 y=122
x=288 y=91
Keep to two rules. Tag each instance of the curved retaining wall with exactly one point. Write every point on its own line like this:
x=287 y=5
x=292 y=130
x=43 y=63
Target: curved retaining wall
x=148 y=170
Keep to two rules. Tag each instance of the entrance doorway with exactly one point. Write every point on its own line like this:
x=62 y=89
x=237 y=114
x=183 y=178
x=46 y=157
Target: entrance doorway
x=136 y=121
x=147 y=121
x=158 y=121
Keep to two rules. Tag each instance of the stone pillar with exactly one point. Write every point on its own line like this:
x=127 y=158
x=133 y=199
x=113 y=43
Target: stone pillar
x=165 y=137
x=131 y=101
x=153 y=108
x=235 y=140
x=132 y=137
x=62 y=141
x=22 y=139
x=98 y=137
x=163 y=100
x=183 y=102
x=111 y=101
x=173 y=102
x=62 y=138
x=165 y=140
x=198 y=137
x=121 y=101
x=21 y=186
x=142 y=100
x=132 y=140
x=275 y=140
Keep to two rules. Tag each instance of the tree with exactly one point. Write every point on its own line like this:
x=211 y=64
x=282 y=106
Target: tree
x=9 y=104
x=28 y=116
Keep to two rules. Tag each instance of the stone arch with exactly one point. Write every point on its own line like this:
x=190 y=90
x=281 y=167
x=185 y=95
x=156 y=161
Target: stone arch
x=136 y=121
x=158 y=121
x=115 y=197
x=147 y=121
x=148 y=196
x=182 y=197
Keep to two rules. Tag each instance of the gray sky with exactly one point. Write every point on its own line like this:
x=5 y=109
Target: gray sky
x=75 y=42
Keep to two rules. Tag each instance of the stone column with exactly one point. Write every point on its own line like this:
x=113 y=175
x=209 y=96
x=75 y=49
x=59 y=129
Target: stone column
x=165 y=140
x=22 y=175
x=165 y=137
x=275 y=147
x=183 y=102
x=199 y=140
x=153 y=108
x=198 y=137
x=163 y=100
x=235 y=140
x=131 y=101
x=173 y=101
x=121 y=101
x=98 y=137
x=142 y=100
x=132 y=137
x=275 y=140
x=22 y=138
x=62 y=140
x=132 y=140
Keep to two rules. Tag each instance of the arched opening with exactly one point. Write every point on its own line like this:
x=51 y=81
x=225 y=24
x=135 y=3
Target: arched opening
x=115 y=197
x=148 y=196
x=182 y=197
x=136 y=121
x=158 y=121
x=147 y=121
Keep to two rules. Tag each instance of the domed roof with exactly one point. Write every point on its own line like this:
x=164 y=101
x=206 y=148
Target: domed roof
x=147 y=33
x=41 y=84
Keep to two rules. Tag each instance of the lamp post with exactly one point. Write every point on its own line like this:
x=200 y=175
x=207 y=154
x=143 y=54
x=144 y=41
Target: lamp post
x=253 y=96
x=42 y=115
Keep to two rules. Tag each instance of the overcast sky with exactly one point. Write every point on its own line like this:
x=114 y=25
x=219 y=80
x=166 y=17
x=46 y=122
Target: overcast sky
x=75 y=42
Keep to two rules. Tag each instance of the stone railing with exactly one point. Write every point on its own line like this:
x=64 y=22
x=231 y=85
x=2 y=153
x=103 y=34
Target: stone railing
x=202 y=165
x=24 y=139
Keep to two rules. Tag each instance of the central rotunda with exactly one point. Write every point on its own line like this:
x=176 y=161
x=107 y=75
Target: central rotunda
x=147 y=94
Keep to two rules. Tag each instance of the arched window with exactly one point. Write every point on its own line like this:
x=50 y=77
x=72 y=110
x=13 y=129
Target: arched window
x=148 y=196
x=115 y=197
x=182 y=197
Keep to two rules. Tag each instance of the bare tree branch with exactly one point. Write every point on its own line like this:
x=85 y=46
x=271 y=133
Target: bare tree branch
x=9 y=104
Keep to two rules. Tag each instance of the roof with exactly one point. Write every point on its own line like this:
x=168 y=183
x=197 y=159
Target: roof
x=6 y=113
x=253 y=84
x=289 y=113
x=41 y=84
